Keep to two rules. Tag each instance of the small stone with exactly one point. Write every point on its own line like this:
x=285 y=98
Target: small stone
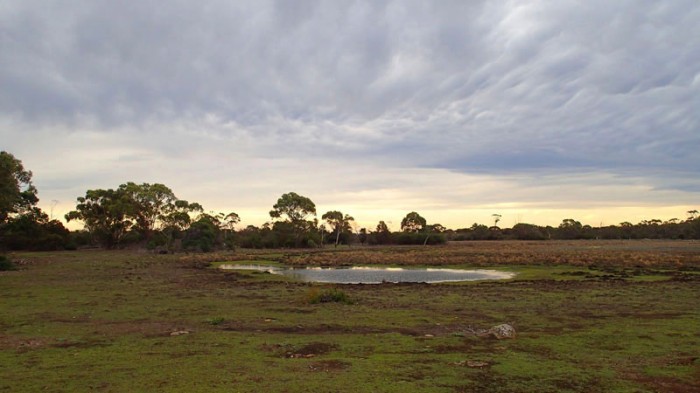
x=500 y=332
x=473 y=363
x=429 y=336
x=179 y=333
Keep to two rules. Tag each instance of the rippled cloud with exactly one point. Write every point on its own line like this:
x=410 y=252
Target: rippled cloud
x=227 y=99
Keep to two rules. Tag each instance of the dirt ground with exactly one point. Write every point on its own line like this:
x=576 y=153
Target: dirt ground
x=590 y=317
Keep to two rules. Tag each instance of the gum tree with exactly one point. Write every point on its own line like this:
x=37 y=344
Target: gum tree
x=17 y=193
x=293 y=210
x=339 y=222
x=105 y=214
x=144 y=208
x=413 y=222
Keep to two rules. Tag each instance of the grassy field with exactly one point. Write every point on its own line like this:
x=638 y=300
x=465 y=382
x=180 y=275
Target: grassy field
x=591 y=316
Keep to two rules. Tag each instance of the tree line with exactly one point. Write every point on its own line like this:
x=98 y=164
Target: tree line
x=151 y=216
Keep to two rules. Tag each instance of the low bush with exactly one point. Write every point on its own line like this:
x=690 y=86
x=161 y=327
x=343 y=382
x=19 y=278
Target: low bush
x=216 y=321
x=6 y=264
x=332 y=295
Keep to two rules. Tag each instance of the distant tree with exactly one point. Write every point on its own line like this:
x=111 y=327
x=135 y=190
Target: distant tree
x=177 y=214
x=33 y=230
x=202 y=234
x=296 y=209
x=134 y=209
x=230 y=221
x=480 y=232
x=105 y=215
x=413 y=222
x=149 y=204
x=250 y=237
x=570 y=229
x=24 y=226
x=294 y=206
x=695 y=229
x=432 y=229
x=436 y=228
x=382 y=227
x=382 y=235
x=527 y=232
x=496 y=219
x=322 y=232
x=363 y=236
x=626 y=229
x=175 y=219
x=339 y=223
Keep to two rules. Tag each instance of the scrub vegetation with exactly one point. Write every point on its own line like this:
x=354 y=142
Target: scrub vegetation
x=591 y=316
x=151 y=216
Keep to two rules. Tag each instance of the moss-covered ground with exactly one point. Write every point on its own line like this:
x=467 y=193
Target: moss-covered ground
x=128 y=321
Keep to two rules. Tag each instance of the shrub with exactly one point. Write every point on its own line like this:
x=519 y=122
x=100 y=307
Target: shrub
x=216 y=321
x=332 y=295
x=6 y=264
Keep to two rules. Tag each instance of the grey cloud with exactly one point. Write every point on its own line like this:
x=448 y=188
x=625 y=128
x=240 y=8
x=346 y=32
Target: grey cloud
x=490 y=86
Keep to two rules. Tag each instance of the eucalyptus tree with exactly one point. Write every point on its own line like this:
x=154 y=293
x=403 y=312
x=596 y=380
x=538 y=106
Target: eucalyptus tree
x=293 y=210
x=413 y=222
x=211 y=230
x=17 y=193
x=175 y=218
x=149 y=203
x=230 y=220
x=23 y=225
x=105 y=214
x=294 y=206
x=382 y=234
x=143 y=208
x=339 y=222
x=432 y=229
x=496 y=219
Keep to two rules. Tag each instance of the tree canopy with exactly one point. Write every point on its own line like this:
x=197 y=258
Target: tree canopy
x=17 y=193
x=110 y=214
x=294 y=206
x=339 y=223
x=413 y=222
x=295 y=230
x=23 y=226
x=151 y=215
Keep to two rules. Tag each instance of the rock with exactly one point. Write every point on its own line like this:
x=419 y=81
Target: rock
x=179 y=333
x=500 y=332
x=473 y=363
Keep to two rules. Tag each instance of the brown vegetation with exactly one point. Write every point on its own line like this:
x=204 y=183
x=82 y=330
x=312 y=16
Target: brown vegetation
x=618 y=253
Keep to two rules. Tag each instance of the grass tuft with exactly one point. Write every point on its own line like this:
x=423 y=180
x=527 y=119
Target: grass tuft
x=332 y=295
x=216 y=321
x=6 y=264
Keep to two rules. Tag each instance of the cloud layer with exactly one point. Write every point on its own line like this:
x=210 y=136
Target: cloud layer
x=438 y=105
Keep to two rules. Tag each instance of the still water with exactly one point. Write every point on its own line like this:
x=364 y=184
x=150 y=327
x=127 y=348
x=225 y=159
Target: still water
x=374 y=275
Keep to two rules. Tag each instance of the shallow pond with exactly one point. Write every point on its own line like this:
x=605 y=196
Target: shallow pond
x=374 y=275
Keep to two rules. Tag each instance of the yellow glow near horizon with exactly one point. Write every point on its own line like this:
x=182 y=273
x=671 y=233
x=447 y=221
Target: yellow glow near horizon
x=457 y=218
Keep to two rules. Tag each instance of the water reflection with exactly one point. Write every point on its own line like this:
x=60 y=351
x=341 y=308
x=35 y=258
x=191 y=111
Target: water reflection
x=374 y=275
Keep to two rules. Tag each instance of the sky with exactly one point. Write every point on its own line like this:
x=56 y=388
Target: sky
x=534 y=110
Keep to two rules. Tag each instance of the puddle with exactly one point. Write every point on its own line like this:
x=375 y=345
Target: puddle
x=374 y=275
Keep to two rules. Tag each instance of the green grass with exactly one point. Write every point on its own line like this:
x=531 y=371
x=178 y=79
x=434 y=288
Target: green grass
x=103 y=321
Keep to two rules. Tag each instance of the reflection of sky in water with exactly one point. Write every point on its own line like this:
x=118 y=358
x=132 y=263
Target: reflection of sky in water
x=373 y=275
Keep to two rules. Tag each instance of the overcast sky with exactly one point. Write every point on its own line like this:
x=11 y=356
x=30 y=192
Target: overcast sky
x=536 y=110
